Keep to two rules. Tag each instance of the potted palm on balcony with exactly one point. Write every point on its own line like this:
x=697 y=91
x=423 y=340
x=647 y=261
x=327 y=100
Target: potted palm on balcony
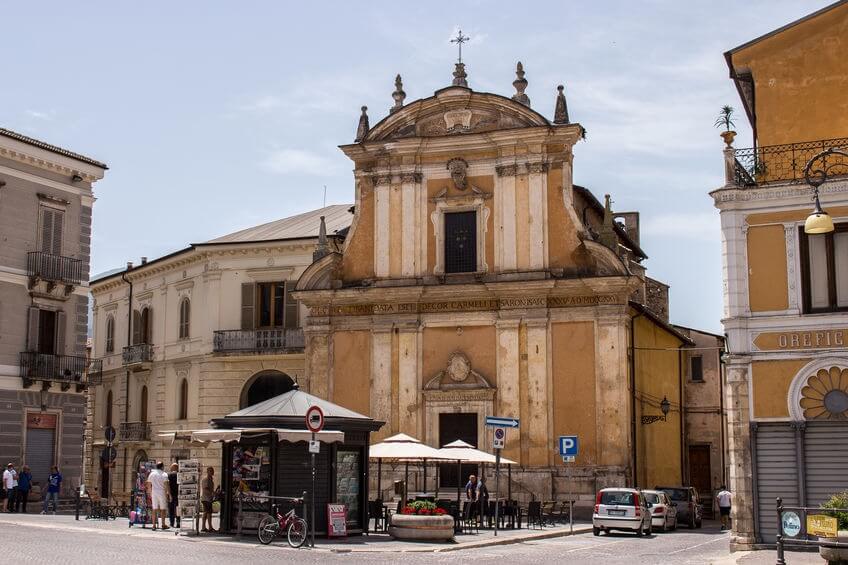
x=725 y=120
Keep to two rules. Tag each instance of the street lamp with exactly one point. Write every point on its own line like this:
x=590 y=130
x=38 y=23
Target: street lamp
x=665 y=406
x=815 y=174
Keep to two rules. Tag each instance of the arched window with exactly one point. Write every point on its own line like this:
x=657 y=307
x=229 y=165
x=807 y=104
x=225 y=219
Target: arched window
x=108 y=420
x=182 y=413
x=185 y=316
x=110 y=334
x=143 y=414
x=265 y=385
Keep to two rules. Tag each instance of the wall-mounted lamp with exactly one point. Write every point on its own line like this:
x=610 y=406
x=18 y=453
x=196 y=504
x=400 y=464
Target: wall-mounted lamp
x=815 y=173
x=76 y=178
x=665 y=407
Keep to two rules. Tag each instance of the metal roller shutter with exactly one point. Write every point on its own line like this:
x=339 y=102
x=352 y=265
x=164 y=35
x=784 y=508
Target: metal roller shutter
x=40 y=447
x=826 y=454
x=777 y=474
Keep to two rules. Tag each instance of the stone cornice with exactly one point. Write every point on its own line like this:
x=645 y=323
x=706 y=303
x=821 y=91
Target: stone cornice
x=778 y=194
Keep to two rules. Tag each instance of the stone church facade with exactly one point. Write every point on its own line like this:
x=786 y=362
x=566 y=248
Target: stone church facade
x=477 y=280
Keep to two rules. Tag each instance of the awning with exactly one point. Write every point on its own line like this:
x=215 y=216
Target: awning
x=206 y=436
x=402 y=447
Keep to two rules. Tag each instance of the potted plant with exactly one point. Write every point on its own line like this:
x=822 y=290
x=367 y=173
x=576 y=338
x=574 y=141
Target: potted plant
x=725 y=120
x=831 y=554
x=422 y=520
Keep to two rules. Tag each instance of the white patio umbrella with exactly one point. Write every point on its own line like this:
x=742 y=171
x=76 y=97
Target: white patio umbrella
x=463 y=452
x=401 y=447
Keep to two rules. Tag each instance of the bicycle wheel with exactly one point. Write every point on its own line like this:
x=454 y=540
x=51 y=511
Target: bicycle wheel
x=297 y=532
x=268 y=529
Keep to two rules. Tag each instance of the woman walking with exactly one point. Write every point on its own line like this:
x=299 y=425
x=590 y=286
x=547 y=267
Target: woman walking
x=24 y=486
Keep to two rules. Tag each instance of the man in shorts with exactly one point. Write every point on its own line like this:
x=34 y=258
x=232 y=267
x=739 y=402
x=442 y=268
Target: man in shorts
x=723 y=498
x=159 y=493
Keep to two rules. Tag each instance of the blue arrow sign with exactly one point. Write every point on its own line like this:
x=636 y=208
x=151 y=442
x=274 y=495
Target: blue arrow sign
x=497 y=422
x=568 y=445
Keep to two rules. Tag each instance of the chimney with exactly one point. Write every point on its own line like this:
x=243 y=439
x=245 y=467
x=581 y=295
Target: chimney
x=144 y=260
x=129 y=265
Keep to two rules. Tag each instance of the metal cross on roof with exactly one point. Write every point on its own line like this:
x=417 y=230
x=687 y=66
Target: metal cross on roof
x=459 y=40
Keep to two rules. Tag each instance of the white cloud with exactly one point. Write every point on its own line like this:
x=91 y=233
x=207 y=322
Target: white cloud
x=262 y=104
x=298 y=161
x=39 y=115
x=704 y=226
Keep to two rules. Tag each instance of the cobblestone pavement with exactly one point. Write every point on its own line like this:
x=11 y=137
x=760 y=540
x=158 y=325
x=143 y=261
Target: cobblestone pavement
x=57 y=540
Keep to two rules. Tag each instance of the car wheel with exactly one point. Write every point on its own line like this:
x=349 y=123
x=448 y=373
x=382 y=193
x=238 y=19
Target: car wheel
x=596 y=531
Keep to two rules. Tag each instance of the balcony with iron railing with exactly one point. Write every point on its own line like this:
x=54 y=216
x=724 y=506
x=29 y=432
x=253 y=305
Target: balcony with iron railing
x=65 y=370
x=276 y=340
x=137 y=355
x=768 y=164
x=55 y=268
x=134 y=431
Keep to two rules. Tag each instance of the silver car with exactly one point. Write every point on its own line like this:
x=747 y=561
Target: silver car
x=621 y=509
x=663 y=510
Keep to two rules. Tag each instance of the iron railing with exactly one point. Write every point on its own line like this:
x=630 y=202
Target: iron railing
x=783 y=163
x=792 y=529
x=64 y=369
x=134 y=431
x=258 y=341
x=55 y=268
x=139 y=353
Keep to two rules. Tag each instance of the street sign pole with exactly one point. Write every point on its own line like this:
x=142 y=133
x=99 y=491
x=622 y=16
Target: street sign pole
x=312 y=495
x=314 y=423
x=497 y=486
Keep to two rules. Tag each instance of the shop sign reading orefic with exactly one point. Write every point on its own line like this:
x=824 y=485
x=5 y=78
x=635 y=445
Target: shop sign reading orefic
x=808 y=339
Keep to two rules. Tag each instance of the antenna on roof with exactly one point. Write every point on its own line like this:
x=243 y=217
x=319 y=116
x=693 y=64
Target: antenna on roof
x=325 y=197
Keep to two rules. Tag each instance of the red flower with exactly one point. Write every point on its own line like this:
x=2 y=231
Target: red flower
x=440 y=511
x=407 y=510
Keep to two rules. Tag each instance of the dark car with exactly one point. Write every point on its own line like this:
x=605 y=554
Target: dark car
x=689 y=509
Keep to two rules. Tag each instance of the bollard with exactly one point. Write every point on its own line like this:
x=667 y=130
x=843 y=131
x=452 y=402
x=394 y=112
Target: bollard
x=76 y=505
x=240 y=515
x=780 y=558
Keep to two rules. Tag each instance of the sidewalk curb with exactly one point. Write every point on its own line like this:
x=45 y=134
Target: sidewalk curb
x=514 y=540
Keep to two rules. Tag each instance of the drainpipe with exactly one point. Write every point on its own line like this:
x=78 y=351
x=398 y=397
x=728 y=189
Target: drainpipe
x=683 y=457
x=633 y=398
x=721 y=389
x=127 y=375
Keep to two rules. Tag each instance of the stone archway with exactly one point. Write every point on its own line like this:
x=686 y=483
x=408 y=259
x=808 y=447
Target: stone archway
x=264 y=385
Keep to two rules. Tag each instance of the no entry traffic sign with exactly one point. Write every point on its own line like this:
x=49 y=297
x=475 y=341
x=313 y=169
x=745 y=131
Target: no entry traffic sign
x=314 y=419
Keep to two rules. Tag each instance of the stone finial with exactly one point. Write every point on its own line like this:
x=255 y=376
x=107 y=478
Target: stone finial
x=606 y=235
x=520 y=84
x=561 y=109
x=459 y=75
x=323 y=247
x=398 y=95
x=362 y=129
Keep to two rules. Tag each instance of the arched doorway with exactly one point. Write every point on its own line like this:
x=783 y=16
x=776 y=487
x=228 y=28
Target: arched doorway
x=265 y=385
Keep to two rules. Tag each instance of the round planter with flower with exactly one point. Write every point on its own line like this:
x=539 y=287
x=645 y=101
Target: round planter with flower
x=422 y=520
x=832 y=554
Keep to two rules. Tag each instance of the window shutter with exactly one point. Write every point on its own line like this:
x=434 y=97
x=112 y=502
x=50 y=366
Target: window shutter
x=60 y=333
x=147 y=316
x=56 y=238
x=46 y=244
x=136 y=327
x=248 y=293
x=32 y=329
x=292 y=306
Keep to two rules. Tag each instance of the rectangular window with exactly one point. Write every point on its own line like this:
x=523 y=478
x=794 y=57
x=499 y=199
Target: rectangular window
x=696 y=368
x=461 y=242
x=276 y=307
x=52 y=222
x=824 y=270
x=47 y=332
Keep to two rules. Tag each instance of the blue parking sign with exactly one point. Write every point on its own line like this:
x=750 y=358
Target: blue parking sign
x=568 y=446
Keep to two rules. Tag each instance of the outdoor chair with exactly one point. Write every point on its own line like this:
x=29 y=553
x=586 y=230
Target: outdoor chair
x=534 y=514
x=377 y=512
x=453 y=510
x=548 y=512
x=469 y=517
x=564 y=511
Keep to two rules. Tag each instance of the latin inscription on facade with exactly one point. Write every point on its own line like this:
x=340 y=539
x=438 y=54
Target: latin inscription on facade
x=465 y=305
x=812 y=339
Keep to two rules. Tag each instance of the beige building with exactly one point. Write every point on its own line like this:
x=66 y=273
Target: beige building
x=46 y=199
x=478 y=280
x=196 y=335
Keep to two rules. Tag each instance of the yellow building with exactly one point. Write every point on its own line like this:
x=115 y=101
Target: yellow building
x=477 y=280
x=786 y=290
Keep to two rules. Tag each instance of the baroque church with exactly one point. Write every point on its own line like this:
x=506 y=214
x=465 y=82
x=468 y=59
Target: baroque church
x=477 y=280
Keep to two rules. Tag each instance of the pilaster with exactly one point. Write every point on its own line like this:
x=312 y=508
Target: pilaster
x=612 y=390
x=381 y=380
x=508 y=404
x=410 y=185
x=382 y=221
x=408 y=386
x=537 y=391
x=538 y=204
x=505 y=184
x=739 y=451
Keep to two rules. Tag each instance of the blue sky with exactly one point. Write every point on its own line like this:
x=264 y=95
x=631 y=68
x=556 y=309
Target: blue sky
x=215 y=116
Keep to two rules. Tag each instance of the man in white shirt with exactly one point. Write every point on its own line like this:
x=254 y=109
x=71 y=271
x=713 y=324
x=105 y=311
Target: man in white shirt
x=723 y=498
x=10 y=483
x=159 y=493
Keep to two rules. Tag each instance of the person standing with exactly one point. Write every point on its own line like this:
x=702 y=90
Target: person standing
x=173 y=487
x=54 y=485
x=483 y=498
x=24 y=486
x=207 y=495
x=10 y=483
x=723 y=498
x=159 y=493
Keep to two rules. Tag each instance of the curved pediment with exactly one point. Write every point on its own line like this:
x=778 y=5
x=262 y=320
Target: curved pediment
x=321 y=273
x=604 y=261
x=455 y=111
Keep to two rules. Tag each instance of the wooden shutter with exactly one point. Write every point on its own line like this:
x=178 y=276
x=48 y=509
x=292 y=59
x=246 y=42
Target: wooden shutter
x=292 y=306
x=52 y=222
x=60 y=333
x=56 y=239
x=32 y=329
x=136 y=327
x=248 y=295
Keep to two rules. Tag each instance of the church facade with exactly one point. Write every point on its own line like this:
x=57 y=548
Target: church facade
x=477 y=280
